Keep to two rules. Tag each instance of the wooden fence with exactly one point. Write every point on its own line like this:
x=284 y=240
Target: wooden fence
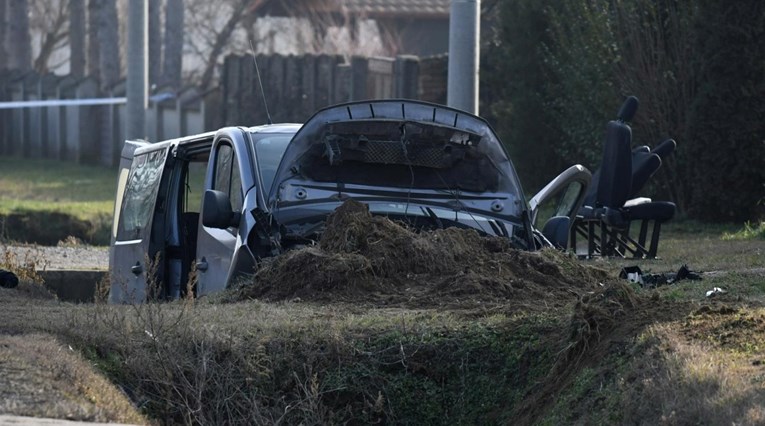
x=295 y=87
x=91 y=134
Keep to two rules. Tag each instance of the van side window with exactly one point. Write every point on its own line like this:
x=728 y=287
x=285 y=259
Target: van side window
x=141 y=194
x=227 y=176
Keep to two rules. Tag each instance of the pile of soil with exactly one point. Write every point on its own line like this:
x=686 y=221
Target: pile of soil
x=362 y=258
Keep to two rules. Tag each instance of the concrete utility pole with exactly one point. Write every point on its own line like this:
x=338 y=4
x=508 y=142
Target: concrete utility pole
x=464 y=54
x=137 y=70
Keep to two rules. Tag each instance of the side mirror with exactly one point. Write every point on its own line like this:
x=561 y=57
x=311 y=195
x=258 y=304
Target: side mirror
x=217 y=212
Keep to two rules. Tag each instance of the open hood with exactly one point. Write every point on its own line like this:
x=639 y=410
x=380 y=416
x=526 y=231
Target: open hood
x=397 y=151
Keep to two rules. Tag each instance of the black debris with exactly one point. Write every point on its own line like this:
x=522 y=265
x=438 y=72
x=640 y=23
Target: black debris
x=634 y=274
x=8 y=279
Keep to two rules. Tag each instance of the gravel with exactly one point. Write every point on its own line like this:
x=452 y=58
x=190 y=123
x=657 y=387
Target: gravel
x=62 y=257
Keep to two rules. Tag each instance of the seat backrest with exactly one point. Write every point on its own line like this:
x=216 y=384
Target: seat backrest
x=615 y=181
x=664 y=149
x=644 y=165
x=612 y=182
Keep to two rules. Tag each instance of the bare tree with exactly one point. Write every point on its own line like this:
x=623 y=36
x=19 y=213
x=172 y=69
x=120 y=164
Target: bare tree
x=77 y=30
x=155 y=41
x=94 y=60
x=19 y=40
x=212 y=26
x=109 y=43
x=50 y=22
x=173 y=58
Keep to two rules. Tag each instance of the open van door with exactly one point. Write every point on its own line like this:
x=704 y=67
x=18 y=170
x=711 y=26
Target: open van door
x=558 y=203
x=219 y=236
x=137 y=188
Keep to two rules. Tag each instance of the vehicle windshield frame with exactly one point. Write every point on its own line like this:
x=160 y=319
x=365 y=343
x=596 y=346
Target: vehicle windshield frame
x=266 y=168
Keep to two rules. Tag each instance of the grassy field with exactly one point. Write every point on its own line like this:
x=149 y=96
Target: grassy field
x=604 y=352
x=50 y=200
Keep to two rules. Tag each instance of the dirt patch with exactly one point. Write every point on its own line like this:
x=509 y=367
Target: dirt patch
x=48 y=228
x=371 y=259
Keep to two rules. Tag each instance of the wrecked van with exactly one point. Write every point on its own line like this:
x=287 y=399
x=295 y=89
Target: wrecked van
x=195 y=214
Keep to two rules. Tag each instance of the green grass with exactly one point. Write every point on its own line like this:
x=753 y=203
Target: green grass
x=748 y=232
x=45 y=201
x=85 y=192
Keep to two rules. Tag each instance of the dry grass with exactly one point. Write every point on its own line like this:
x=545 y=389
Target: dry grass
x=666 y=356
x=40 y=377
x=678 y=380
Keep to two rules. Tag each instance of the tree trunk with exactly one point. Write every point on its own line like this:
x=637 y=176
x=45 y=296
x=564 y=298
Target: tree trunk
x=94 y=61
x=3 y=51
x=77 y=38
x=173 y=60
x=109 y=44
x=19 y=40
x=155 y=41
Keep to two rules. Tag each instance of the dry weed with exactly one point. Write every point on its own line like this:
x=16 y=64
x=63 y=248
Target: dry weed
x=689 y=382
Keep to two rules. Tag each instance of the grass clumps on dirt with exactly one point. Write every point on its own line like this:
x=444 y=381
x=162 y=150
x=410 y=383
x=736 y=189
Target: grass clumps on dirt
x=40 y=377
x=289 y=364
x=365 y=258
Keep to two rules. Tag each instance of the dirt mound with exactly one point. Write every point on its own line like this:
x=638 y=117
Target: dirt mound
x=365 y=258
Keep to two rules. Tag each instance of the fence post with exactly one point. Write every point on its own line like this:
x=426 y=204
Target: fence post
x=250 y=102
x=433 y=78
x=49 y=116
x=359 y=71
x=230 y=80
x=325 y=68
x=342 y=83
x=29 y=115
x=309 y=77
x=407 y=73
x=87 y=132
x=292 y=90
x=273 y=87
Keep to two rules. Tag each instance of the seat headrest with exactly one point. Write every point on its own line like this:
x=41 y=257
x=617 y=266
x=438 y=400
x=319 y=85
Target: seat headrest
x=665 y=148
x=628 y=109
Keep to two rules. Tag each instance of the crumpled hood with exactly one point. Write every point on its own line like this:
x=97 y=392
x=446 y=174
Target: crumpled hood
x=395 y=150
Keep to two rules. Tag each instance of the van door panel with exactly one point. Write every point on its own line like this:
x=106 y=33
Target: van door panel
x=216 y=247
x=133 y=231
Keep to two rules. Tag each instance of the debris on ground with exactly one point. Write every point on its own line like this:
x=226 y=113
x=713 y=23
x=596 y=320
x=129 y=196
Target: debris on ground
x=635 y=275
x=8 y=279
x=716 y=291
x=363 y=258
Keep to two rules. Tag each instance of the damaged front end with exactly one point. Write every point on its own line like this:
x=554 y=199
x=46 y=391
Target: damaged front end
x=421 y=164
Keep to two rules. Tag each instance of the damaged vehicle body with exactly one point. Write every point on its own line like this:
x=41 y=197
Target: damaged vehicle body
x=197 y=213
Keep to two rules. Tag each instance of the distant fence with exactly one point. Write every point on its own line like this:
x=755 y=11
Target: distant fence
x=295 y=87
x=75 y=129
